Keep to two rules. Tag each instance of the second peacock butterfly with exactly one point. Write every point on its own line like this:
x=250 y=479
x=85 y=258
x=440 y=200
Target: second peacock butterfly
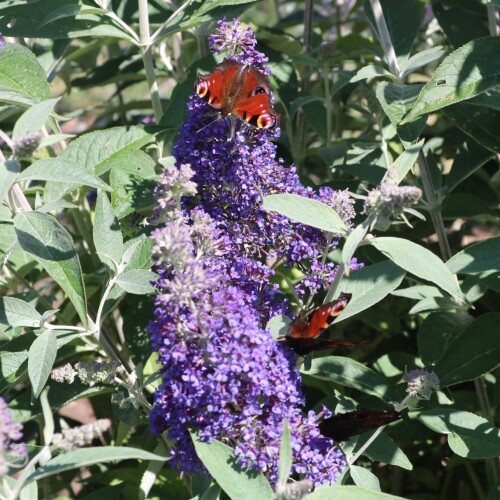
x=240 y=90
x=304 y=330
x=342 y=426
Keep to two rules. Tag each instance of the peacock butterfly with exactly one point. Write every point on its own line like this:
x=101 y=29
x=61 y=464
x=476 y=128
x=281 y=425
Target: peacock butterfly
x=236 y=89
x=342 y=426
x=304 y=330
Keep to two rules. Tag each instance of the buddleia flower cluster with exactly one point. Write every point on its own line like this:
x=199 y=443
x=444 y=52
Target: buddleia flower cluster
x=216 y=251
x=10 y=432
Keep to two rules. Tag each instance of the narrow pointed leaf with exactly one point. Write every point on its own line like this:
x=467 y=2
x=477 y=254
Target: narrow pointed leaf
x=350 y=373
x=285 y=461
x=59 y=169
x=418 y=261
x=305 y=210
x=41 y=236
x=108 y=239
x=42 y=355
x=33 y=118
x=237 y=482
x=364 y=478
x=369 y=285
x=85 y=457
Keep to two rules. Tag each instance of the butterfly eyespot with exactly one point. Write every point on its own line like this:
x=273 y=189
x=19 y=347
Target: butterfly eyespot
x=266 y=120
x=201 y=89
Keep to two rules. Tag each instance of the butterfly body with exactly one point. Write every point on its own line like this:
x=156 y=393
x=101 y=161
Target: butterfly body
x=239 y=90
x=342 y=426
x=304 y=330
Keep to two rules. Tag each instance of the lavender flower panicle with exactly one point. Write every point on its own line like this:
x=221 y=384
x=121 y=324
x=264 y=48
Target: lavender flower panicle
x=83 y=435
x=9 y=432
x=223 y=373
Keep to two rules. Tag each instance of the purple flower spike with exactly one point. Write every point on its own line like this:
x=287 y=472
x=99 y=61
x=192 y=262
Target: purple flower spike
x=223 y=373
x=9 y=432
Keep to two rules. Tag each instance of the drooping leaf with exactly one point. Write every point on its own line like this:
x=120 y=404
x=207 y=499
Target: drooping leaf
x=469 y=435
x=41 y=236
x=310 y=212
x=474 y=352
x=237 y=482
x=418 y=261
x=364 y=478
x=8 y=173
x=42 y=355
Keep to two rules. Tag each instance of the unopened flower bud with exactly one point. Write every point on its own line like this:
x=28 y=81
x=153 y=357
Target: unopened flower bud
x=71 y=439
x=24 y=146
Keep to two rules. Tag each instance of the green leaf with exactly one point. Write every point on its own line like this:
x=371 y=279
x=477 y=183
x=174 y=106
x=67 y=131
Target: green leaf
x=396 y=100
x=418 y=261
x=421 y=59
x=478 y=122
x=364 y=478
x=461 y=22
x=59 y=169
x=42 y=355
x=469 y=435
x=108 y=239
x=350 y=373
x=370 y=285
x=33 y=118
x=41 y=236
x=22 y=79
x=137 y=281
x=469 y=158
x=371 y=71
x=29 y=22
x=407 y=159
x=243 y=484
x=96 y=150
x=71 y=10
x=352 y=242
x=16 y=312
x=138 y=252
x=85 y=457
x=278 y=325
x=474 y=352
x=383 y=449
x=466 y=72
x=348 y=493
x=437 y=332
x=302 y=101
x=305 y=210
x=8 y=173
x=477 y=258
x=286 y=458
x=133 y=179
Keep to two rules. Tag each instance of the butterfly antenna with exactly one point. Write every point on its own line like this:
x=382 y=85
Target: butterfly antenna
x=208 y=124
